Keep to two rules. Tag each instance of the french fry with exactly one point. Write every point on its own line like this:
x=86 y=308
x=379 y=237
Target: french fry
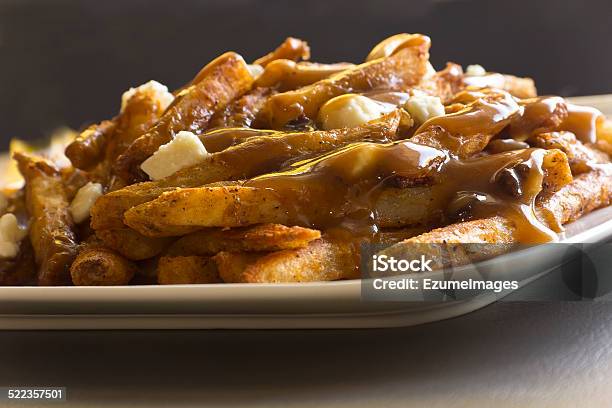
x=231 y=265
x=321 y=260
x=581 y=157
x=291 y=49
x=225 y=79
x=99 y=266
x=182 y=270
x=457 y=244
x=51 y=229
x=586 y=193
x=184 y=210
x=88 y=148
x=243 y=111
x=265 y=237
x=285 y=75
x=131 y=244
x=220 y=139
x=256 y=156
x=399 y=71
x=522 y=88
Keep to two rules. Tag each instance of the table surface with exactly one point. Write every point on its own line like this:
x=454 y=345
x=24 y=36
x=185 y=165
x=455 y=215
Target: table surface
x=510 y=354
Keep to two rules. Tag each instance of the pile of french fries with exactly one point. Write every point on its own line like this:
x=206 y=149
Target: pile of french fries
x=280 y=197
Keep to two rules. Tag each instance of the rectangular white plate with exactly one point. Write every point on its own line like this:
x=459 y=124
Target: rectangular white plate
x=259 y=306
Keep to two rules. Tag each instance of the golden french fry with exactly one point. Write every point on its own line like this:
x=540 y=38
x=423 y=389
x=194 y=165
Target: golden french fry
x=255 y=156
x=98 y=266
x=88 y=148
x=51 y=229
x=182 y=270
x=522 y=88
x=231 y=265
x=458 y=244
x=399 y=71
x=285 y=75
x=224 y=79
x=241 y=112
x=131 y=244
x=586 y=193
x=580 y=157
x=186 y=210
x=265 y=237
x=321 y=260
x=291 y=49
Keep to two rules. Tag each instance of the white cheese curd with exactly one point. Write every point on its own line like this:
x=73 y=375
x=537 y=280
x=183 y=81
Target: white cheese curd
x=153 y=89
x=351 y=110
x=423 y=107
x=255 y=70
x=84 y=200
x=475 y=70
x=185 y=150
x=10 y=236
x=3 y=203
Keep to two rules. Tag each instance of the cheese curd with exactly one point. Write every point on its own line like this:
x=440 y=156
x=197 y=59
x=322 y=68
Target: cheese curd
x=185 y=150
x=423 y=107
x=153 y=89
x=475 y=70
x=84 y=200
x=351 y=110
x=11 y=234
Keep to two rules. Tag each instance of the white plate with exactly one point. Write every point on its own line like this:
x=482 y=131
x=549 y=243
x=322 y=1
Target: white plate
x=268 y=306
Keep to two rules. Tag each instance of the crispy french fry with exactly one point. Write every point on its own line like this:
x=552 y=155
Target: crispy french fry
x=265 y=237
x=519 y=87
x=457 y=244
x=586 y=193
x=88 y=148
x=131 y=244
x=181 y=270
x=231 y=265
x=256 y=156
x=186 y=210
x=99 y=266
x=285 y=75
x=217 y=140
x=52 y=229
x=224 y=79
x=581 y=157
x=399 y=71
x=321 y=260
x=242 y=111
x=395 y=43
x=291 y=49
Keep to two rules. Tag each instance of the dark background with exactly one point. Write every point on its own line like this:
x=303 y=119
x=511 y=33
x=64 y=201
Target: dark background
x=66 y=62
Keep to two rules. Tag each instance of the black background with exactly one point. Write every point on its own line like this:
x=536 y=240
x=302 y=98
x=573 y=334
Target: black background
x=66 y=62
